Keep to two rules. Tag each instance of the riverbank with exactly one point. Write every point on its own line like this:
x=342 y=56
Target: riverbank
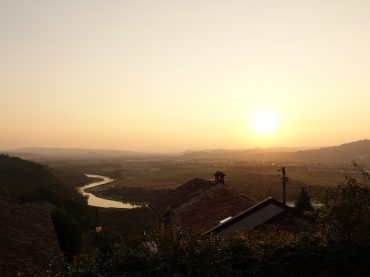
x=95 y=201
x=140 y=196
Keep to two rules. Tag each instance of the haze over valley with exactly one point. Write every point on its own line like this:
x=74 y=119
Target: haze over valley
x=185 y=138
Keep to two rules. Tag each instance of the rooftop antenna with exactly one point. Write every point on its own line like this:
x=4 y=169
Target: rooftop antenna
x=284 y=180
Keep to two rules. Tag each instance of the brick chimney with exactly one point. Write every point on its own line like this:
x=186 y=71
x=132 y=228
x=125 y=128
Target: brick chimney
x=219 y=177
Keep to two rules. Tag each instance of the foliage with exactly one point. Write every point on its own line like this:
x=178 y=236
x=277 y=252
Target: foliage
x=22 y=177
x=258 y=253
x=35 y=182
x=303 y=202
x=347 y=211
x=127 y=222
x=68 y=232
x=32 y=182
x=338 y=246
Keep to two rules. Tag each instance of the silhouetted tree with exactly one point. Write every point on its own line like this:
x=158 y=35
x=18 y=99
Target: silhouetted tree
x=348 y=211
x=68 y=232
x=303 y=202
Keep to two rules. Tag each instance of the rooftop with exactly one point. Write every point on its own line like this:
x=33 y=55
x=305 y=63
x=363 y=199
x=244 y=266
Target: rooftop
x=201 y=204
x=288 y=219
x=28 y=240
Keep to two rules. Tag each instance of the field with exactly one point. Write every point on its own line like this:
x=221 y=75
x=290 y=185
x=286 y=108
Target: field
x=144 y=180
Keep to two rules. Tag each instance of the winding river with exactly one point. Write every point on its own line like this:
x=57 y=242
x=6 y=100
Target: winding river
x=101 y=202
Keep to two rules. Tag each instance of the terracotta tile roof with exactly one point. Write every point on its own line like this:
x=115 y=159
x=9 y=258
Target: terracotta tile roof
x=201 y=204
x=180 y=195
x=27 y=238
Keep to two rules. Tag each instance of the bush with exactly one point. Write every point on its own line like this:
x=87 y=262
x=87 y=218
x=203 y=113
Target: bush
x=68 y=232
x=347 y=212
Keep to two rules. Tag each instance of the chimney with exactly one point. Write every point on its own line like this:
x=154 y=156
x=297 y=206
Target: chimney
x=219 y=177
x=216 y=176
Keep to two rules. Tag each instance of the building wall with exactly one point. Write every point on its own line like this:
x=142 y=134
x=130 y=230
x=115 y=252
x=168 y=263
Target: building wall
x=253 y=220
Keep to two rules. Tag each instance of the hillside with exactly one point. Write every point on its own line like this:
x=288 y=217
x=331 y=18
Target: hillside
x=358 y=151
x=34 y=182
x=19 y=176
x=239 y=154
x=43 y=153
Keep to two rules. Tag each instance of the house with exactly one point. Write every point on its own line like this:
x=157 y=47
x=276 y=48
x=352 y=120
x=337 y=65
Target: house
x=213 y=207
x=29 y=245
x=199 y=205
x=268 y=211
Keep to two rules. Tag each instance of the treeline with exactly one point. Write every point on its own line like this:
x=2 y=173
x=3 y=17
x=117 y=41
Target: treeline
x=30 y=181
x=73 y=219
x=337 y=245
x=27 y=181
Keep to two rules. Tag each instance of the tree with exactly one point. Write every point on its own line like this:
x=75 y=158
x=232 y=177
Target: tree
x=68 y=232
x=347 y=211
x=303 y=202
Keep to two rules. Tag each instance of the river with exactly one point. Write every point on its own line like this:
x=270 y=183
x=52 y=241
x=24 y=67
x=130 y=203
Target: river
x=101 y=202
x=315 y=204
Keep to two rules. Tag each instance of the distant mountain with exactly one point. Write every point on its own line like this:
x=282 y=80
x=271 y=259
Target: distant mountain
x=358 y=151
x=39 y=154
x=247 y=154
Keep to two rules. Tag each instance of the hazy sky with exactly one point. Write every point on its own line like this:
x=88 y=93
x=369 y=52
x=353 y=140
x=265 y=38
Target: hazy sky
x=173 y=75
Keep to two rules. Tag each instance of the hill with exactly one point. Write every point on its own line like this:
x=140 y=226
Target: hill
x=358 y=151
x=31 y=181
x=20 y=177
x=41 y=153
x=240 y=154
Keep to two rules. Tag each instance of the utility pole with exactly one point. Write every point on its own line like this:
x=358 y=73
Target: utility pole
x=96 y=225
x=284 y=180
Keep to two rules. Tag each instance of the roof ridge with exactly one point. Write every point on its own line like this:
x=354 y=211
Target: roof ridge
x=178 y=188
x=232 y=188
x=195 y=195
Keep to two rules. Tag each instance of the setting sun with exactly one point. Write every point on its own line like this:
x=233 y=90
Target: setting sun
x=265 y=122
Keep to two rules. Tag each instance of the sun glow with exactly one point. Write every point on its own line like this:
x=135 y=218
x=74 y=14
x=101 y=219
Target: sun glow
x=265 y=122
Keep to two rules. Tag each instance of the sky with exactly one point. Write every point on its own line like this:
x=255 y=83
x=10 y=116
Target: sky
x=174 y=75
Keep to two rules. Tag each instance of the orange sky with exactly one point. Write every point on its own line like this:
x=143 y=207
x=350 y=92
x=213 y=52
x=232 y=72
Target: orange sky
x=173 y=75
